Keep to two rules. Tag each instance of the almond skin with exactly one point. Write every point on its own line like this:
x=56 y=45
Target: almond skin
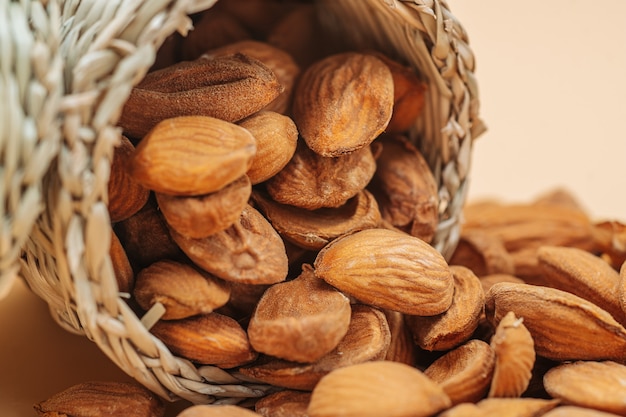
x=388 y=269
x=192 y=155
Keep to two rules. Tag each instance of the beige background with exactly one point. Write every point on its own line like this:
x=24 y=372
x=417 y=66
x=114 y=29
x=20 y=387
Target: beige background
x=552 y=90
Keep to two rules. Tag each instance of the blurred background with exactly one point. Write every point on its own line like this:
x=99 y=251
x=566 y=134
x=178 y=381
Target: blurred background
x=553 y=95
x=551 y=78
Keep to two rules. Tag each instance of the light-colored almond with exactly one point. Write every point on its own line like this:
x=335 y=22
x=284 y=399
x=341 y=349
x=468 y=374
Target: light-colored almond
x=218 y=410
x=388 y=269
x=597 y=385
x=379 y=388
x=286 y=403
x=515 y=407
x=192 y=155
x=515 y=357
x=573 y=411
x=563 y=326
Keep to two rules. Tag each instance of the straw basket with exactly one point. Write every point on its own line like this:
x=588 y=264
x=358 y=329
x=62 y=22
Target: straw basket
x=66 y=69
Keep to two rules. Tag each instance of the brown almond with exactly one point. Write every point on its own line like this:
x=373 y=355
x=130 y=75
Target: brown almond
x=484 y=253
x=583 y=274
x=311 y=181
x=204 y=215
x=279 y=61
x=405 y=188
x=398 y=390
x=343 y=102
x=124 y=274
x=563 y=326
x=276 y=139
x=489 y=280
x=126 y=196
x=515 y=357
x=103 y=399
x=250 y=251
x=455 y=325
x=368 y=339
x=228 y=88
x=183 y=290
x=300 y=320
x=314 y=229
x=401 y=349
x=597 y=385
x=465 y=372
x=388 y=269
x=192 y=155
x=208 y=339
x=287 y=403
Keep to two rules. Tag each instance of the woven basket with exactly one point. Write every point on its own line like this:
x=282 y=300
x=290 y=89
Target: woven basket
x=67 y=68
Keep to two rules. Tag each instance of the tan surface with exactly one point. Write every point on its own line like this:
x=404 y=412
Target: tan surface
x=552 y=95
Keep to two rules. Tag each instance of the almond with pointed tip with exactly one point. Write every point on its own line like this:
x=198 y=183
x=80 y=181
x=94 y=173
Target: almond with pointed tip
x=515 y=357
x=388 y=269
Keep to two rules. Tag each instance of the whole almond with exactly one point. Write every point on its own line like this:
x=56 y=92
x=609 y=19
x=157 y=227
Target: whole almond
x=183 y=290
x=313 y=229
x=368 y=339
x=388 y=269
x=103 y=399
x=311 y=181
x=203 y=215
x=300 y=320
x=208 y=339
x=596 y=385
x=124 y=274
x=399 y=390
x=126 y=196
x=250 y=251
x=455 y=325
x=405 y=188
x=583 y=274
x=515 y=357
x=286 y=403
x=229 y=88
x=563 y=326
x=343 y=102
x=276 y=139
x=465 y=372
x=192 y=155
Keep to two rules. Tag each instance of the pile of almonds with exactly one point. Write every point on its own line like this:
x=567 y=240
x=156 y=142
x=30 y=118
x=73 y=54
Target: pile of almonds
x=268 y=207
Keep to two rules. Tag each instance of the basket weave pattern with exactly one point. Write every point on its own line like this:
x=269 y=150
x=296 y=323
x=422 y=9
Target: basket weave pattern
x=94 y=53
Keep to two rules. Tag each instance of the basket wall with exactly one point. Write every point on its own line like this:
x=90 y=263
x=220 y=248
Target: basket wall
x=105 y=48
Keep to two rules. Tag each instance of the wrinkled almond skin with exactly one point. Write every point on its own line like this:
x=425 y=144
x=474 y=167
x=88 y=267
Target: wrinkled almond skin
x=368 y=339
x=563 y=326
x=388 y=269
x=102 y=399
x=406 y=189
x=183 y=290
x=483 y=253
x=597 y=385
x=456 y=325
x=276 y=139
x=314 y=229
x=228 y=88
x=343 y=102
x=300 y=320
x=208 y=339
x=204 y=215
x=285 y=403
x=465 y=372
x=399 y=390
x=279 y=61
x=249 y=252
x=126 y=196
x=192 y=155
x=311 y=181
